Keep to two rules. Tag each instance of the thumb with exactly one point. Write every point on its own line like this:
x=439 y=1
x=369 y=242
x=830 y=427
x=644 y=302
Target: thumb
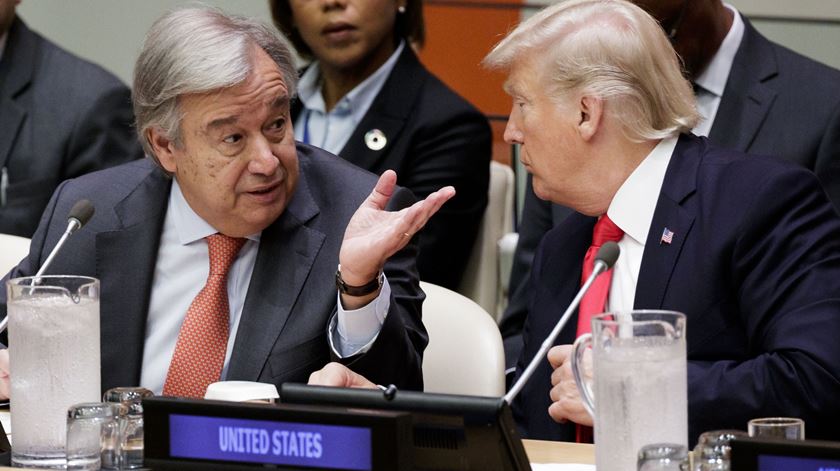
x=383 y=190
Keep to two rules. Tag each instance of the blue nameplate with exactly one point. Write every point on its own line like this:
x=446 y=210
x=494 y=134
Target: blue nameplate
x=261 y=441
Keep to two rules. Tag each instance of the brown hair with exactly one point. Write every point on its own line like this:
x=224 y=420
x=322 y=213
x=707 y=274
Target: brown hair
x=408 y=25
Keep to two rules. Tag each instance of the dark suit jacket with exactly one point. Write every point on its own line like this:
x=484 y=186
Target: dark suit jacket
x=755 y=266
x=435 y=138
x=776 y=102
x=292 y=294
x=60 y=117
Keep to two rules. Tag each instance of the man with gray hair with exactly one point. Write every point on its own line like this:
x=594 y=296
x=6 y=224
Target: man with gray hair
x=747 y=248
x=218 y=260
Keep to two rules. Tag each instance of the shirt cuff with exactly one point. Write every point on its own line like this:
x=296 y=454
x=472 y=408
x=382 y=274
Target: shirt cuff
x=353 y=332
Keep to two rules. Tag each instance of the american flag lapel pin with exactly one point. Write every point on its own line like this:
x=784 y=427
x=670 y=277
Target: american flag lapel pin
x=667 y=237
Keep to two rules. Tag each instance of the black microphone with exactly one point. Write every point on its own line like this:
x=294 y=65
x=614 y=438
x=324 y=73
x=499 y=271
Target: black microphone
x=604 y=260
x=79 y=215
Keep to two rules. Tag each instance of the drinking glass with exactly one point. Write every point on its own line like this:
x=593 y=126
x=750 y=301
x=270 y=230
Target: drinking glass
x=788 y=428
x=713 y=450
x=54 y=361
x=130 y=443
x=663 y=457
x=92 y=434
x=640 y=381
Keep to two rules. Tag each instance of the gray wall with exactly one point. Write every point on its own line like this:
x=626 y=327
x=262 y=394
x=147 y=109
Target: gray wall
x=810 y=27
x=109 y=32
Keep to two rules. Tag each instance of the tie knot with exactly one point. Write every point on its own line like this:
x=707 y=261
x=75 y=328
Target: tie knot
x=223 y=250
x=605 y=231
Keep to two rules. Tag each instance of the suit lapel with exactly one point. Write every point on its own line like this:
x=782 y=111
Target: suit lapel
x=660 y=258
x=288 y=250
x=388 y=112
x=21 y=50
x=125 y=261
x=748 y=96
x=576 y=230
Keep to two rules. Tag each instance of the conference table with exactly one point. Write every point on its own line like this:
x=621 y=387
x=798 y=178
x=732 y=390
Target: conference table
x=541 y=452
x=538 y=451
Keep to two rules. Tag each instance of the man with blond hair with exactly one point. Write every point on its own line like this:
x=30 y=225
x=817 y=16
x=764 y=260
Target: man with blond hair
x=747 y=248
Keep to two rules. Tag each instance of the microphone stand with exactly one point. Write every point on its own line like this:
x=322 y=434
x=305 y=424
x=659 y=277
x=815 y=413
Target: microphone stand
x=600 y=267
x=80 y=213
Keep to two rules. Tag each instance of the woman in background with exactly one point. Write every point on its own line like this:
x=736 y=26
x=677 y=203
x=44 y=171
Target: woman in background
x=367 y=98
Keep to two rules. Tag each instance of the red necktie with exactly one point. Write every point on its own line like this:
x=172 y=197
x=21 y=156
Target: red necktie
x=202 y=342
x=595 y=300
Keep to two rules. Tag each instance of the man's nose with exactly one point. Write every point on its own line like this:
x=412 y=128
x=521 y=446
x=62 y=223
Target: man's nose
x=327 y=5
x=263 y=161
x=512 y=133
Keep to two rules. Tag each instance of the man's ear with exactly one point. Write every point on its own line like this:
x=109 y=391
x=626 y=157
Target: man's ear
x=591 y=111
x=163 y=147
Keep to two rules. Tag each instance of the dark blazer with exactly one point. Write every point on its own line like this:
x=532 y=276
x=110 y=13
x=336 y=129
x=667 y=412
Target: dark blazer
x=292 y=294
x=435 y=138
x=776 y=102
x=60 y=117
x=755 y=266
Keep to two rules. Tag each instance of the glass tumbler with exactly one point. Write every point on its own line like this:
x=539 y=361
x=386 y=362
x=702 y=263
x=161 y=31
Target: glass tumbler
x=713 y=451
x=130 y=446
x=92 y=433
x=663 y=457
x=787 y=428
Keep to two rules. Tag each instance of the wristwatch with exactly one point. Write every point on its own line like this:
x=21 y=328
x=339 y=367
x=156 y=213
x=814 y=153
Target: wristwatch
x=363 y=290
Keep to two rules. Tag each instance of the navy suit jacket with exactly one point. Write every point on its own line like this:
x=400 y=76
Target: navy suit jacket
x=776 y=102
x=755 y=266
x=435 y=138
x=282 y=332
x=60 y=117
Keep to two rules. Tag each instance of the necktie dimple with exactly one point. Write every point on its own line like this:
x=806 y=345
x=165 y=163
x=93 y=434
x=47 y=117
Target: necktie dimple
x=595 y=300
x=202 y=341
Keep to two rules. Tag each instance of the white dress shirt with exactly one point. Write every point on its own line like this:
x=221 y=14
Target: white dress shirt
x=181 y=272
x=712 y=81
x=331 y=131
x=632 y=210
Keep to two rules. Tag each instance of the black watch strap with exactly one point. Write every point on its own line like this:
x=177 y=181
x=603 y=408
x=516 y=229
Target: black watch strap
x=363 y=290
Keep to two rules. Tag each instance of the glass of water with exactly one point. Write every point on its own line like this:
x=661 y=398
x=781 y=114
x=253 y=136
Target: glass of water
x=713 y=450
x=54 y=361
x=787 y=428
x=92 y=434
x=663 y=457
x=130 y=446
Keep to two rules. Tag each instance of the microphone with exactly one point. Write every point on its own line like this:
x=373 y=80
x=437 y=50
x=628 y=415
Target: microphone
x=604 y=260
x=79 y=215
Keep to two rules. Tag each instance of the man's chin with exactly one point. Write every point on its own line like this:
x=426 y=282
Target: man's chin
x=539 y=189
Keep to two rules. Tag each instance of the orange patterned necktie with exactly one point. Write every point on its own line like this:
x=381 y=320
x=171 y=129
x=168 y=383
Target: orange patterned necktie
x=202 y=342
x=595 y=300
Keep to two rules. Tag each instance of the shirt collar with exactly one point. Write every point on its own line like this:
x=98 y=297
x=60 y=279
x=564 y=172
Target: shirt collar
x=713 y=79
x=189 y=226
x=634 y=203
x=358 y=100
